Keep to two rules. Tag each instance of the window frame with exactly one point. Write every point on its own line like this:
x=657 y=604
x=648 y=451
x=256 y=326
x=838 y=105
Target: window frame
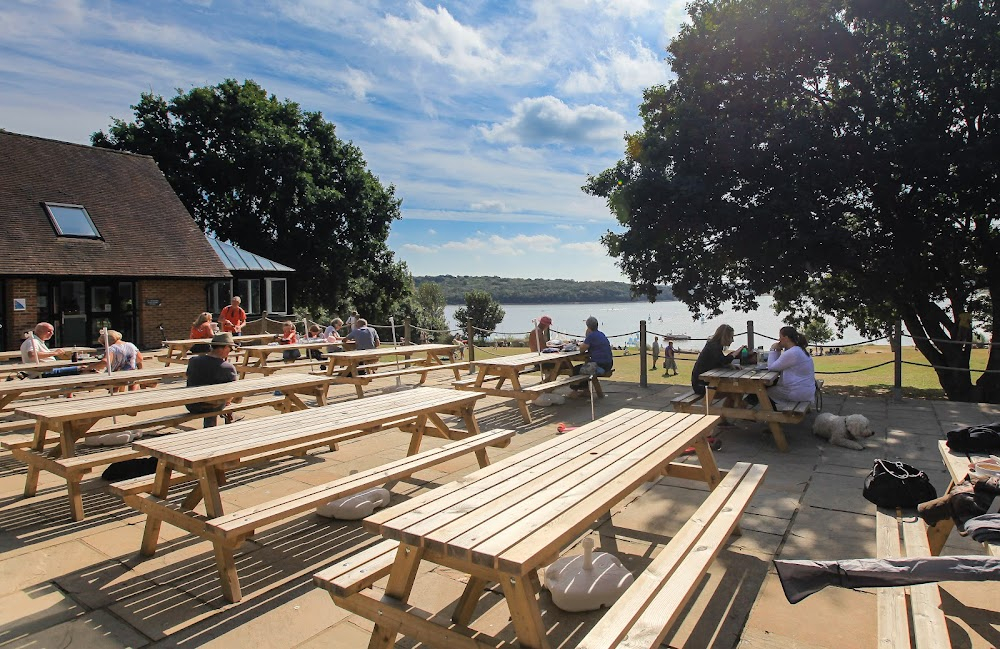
x=46 y=205
x=270 y=282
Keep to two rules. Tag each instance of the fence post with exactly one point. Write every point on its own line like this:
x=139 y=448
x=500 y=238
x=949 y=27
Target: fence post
x=642 y=354
x=750 y=344
x=897 y=336
x=406 y=331
x=470 y=342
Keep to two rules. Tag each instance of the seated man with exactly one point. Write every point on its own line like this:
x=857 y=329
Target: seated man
x=598 y=349
x=34 y=349
x=363 y=336
x=210 y=369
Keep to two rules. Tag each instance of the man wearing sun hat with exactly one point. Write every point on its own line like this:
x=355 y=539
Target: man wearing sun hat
x=211 y=369
x=540 y=335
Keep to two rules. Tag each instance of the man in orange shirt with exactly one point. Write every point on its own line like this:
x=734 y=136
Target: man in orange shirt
x=233 y=317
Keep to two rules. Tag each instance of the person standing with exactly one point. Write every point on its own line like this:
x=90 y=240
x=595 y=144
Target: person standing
x=656 y=350
x=233 y=318
x=211 y=369
x=364 y=337
x=669 y=360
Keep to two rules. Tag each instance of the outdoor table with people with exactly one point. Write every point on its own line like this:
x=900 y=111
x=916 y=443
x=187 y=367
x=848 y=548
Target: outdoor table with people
x=177 y=350
x=15 y=390
x=73 y=419
x=65 y=353
x=349 y=366
x=504 y=522
x=256 y=357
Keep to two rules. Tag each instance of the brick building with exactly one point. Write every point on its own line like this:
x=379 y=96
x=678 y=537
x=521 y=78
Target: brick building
x=94 y=237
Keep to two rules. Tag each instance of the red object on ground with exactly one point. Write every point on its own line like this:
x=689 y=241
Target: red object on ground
x=562 y=428
x=713 y=442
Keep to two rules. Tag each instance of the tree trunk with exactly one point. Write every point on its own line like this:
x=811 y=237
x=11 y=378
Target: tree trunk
x=941 y=349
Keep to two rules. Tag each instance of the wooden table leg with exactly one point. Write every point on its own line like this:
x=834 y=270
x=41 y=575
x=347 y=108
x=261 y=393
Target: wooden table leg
x=417 y=434
x=404 y=572
x=522 y=404
x=208 y=478
x=708 y=466
x=467 y=603
x=151 y=533
x=37 y=445
x=524 y=612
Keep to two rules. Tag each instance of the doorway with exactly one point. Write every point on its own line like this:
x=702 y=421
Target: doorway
x=81 y=308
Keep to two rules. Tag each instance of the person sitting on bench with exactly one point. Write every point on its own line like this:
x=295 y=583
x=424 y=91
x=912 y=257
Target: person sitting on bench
x=210 y=369
x=598 y=350
x=34 y=349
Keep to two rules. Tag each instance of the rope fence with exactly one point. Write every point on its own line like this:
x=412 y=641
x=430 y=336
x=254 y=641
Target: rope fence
x=635 y=343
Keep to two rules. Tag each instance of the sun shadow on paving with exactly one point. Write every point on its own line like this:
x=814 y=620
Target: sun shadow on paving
x=46 y=516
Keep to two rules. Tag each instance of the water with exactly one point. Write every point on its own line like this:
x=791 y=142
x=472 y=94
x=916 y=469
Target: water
x=620 y=321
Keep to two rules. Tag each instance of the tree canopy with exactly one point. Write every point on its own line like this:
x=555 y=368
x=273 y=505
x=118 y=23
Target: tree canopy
x=482 y=311
x=513 y=290
x=275 y=180
x=841 y=154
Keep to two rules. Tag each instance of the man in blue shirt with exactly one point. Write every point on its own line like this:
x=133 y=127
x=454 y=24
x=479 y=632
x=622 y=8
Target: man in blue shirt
x=598 y=349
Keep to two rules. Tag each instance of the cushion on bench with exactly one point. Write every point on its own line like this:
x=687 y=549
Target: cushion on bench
x=645 y=613
x=244 y=522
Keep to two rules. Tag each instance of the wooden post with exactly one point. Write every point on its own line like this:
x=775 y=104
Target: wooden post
x=642 y=354
x=470 y=330
x=750 y=336
x=406 y=332
x=897 y=387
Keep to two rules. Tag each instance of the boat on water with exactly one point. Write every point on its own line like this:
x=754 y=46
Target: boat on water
x=675 y=336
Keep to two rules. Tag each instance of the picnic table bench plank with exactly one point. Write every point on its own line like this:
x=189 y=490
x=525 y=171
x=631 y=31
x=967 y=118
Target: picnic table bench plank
x=354 y=366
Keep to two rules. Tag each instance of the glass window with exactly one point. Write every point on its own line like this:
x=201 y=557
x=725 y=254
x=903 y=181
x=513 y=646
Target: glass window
x=100 y=298
x=219 y=295
x=277 y=301
x=71 y=220
x=125 y=297
x=249 y=292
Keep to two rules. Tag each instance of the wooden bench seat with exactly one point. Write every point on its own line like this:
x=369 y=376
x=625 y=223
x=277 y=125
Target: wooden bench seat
x=691 y=401
x=359 y=571
x=422 y=369
x=242 y=524
x=16 y=426
x=275 y=366
x=902 y=533
x=643 y=616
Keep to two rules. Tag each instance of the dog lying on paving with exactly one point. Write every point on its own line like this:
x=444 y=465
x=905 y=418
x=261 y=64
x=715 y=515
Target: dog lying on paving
x=843 y=431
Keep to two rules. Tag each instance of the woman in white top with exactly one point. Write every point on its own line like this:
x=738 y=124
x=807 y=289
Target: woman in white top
x=798 y=375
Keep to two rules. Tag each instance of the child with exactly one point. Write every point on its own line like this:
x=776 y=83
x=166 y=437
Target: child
x=289 y=337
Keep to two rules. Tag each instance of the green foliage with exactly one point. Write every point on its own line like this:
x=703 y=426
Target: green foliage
x=840 y=154
x=431 y=300
x=817 y=331
x=482 y=310
x=512 y=290
x=275 y=180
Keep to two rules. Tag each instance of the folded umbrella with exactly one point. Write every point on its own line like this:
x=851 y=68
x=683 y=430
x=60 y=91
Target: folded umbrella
x=800 y=579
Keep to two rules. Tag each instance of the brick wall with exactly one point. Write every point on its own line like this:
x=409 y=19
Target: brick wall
x=180 y=303
x=19 y=321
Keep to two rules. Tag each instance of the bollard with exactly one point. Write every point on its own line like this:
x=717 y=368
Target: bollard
x=642 y=354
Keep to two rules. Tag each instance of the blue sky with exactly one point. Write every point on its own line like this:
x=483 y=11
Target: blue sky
x=485 y=116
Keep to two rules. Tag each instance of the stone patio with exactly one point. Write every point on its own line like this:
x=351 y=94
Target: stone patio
x=66 y=584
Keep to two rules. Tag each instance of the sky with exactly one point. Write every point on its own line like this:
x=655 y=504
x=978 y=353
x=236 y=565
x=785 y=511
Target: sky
x=486 y=117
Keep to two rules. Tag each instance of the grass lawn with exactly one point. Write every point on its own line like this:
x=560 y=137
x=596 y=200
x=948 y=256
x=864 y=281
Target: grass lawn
x=850 y=373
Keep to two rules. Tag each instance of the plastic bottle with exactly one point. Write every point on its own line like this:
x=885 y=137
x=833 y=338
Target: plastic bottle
x=743 y=355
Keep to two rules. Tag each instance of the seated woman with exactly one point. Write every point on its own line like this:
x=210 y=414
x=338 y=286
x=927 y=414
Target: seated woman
x=712 y=356
x=332 y=335
x=289 y=337
x=798 y=375
x=202 y=328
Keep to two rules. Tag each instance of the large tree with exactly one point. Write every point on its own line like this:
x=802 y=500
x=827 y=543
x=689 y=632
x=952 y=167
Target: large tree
x=482 y=311
x=273 y=179
x=842 y=154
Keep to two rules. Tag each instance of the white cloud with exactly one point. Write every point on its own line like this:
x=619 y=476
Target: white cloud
x=588 y=247
x=547 y=120
x=490 y=206
x=617 y=71
x=435 y=35
x=413 y=247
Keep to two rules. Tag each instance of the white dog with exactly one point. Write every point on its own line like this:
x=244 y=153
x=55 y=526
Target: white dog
x=843 y=431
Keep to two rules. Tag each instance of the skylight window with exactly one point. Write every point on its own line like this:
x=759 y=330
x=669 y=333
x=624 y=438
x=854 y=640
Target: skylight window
x=71 y=220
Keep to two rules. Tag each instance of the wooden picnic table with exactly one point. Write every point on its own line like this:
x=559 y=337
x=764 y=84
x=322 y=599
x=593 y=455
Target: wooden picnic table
x=493 y=373
x=67 y=352
x=348 y=366
x=35 y=369
x=958 y=467
x=504 y=522
x=73 y=419
x=736 y=382
x=14 y=390
x=255 y=357
x=205 y=455
x=177 y=349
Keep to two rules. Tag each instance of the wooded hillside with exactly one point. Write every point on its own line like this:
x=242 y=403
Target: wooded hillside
x=507 y=290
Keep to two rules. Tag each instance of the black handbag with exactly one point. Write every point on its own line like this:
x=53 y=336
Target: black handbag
x=897 y=484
